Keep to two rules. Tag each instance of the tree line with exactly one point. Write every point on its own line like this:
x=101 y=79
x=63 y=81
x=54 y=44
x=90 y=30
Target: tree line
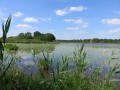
x=94 y=40
x=35 y=37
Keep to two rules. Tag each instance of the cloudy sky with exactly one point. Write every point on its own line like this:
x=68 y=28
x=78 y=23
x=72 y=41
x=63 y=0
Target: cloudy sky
x=66 y=19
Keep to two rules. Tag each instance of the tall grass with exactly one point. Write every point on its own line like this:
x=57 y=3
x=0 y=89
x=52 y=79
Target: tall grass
x=60 y=75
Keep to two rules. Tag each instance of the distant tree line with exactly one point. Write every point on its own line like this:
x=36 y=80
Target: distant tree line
x=37 y=35
x=94 y=40
x=28 y=37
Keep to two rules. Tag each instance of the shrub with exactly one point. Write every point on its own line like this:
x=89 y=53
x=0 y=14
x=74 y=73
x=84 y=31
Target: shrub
x=11 y=47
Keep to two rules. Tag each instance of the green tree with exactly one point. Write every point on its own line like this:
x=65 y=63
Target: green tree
x=21 y=36
x=42 y=37
x=49 y=37
x=28 y=35
x=36 y=34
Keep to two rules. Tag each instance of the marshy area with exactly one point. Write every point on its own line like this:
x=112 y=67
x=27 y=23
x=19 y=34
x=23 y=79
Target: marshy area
x=67 y=66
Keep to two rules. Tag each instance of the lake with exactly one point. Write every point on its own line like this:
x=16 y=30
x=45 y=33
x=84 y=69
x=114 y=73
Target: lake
x=98 y=54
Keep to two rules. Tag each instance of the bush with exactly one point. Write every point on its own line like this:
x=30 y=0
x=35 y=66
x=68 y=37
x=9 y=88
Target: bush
x=11 y=47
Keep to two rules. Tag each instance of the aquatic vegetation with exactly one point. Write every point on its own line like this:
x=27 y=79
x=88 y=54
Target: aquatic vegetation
x=11 y=47
x=62 y=75
x=37 y=47
x=3 y=67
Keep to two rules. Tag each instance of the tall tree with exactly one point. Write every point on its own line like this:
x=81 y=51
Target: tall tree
x=42 y=37
x=36 y=34
x=49 y=37
x=28 y=35
x=21 y=36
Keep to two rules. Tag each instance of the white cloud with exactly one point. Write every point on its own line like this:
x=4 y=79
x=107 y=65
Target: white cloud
x=77 y=21
x=60 y=12
x=30 y=19
x=80 y=8
x=73 y=28
x=69 y=10
x=80 y=22
x=23 y=26
x=113 y=30
x=45 y=19
x=17 y=14
x=71 y=20
x=113 y=21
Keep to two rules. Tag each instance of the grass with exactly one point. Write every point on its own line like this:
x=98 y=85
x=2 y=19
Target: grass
x=35 y=41
x=11 y=47
x=53 y=75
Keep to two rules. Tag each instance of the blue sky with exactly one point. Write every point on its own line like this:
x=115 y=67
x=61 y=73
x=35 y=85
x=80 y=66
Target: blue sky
x=66 y=19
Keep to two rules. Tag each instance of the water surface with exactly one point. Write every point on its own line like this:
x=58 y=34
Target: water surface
x=97 y=53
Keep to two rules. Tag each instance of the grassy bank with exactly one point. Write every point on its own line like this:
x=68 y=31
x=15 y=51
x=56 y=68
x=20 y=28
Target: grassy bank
x=16 y=40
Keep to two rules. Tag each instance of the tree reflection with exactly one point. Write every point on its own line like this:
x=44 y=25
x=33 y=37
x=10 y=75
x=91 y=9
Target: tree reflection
x=36 y=49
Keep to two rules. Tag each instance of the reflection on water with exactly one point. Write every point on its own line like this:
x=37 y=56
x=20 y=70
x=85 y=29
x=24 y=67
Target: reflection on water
x=99 y=53
x=28 y=48
x=96 y=53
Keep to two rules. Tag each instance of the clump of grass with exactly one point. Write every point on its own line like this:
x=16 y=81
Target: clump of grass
x=11 y=47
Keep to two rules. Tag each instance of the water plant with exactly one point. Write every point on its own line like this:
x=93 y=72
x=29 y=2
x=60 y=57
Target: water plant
x=5 y=29
x=11 y=47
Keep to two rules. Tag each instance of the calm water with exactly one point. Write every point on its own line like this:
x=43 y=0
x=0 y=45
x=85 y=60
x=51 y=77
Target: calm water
x=95 y=52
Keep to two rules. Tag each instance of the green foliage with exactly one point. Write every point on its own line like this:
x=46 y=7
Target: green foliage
x=21 y=36
x=1 y=50
x=5 y=28
x=95 y=40
x=3 y=66
x=28 y=35
x=32 y=41
x=42 y=37
x=37 y=34
x=28 y=38
x=11 y=47
x=49 y=37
